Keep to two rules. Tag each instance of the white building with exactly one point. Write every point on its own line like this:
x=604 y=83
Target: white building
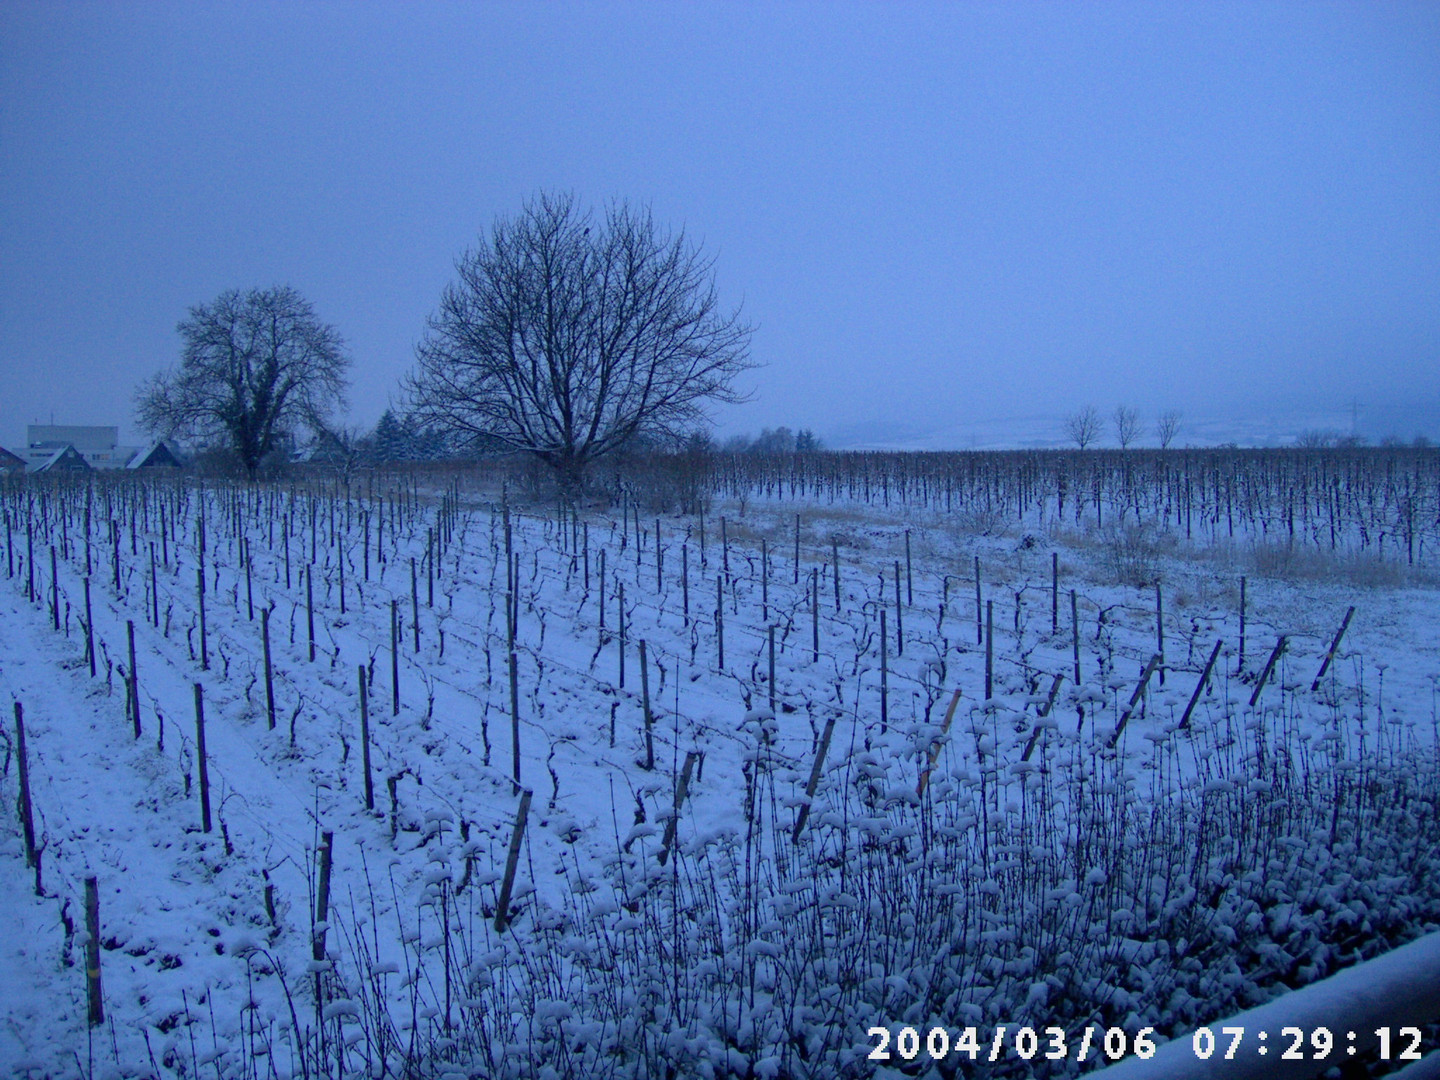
x=99 y=446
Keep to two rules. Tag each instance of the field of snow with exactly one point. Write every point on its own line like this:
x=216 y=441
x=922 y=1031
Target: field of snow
x=856 y=845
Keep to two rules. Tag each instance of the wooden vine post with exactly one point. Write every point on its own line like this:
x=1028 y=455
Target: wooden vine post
x=27 y=816
x=1275 y=654
x=645 y=702
x=514 y=700
x=1240 y=664
x=89 y=630
x=365 y=739
x=54 y=590
x=1334 y=645
x=132 y=682
x=512 y=859
x=204 y=643
x=899 y=612
x=1075 y=634
x=935 y=746
x=201 y=762
x=1044 y=712
x=155 y=589
x=1135 y=698
x=909 y=577
x=815 y=615
x=989 y=649
x=269 y=673
x=681 y=790
x=815 y=771
x=249 y=589
x=1160 y=632
x=764 y=581
x=322 y=899
x=719 y=623
x=394 y=658
x=509 y=563
x=979 y=613
x=1200 y=686
x=884 y=675
x=92 y=953
x=310 y=611
x=414 y=604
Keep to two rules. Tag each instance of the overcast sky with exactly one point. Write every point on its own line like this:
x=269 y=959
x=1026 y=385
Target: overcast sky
x=939 y=217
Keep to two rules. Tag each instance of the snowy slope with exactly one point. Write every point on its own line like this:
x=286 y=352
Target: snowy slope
x=746 y=950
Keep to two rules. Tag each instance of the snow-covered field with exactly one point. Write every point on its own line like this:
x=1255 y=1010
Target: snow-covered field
x=1044 y=872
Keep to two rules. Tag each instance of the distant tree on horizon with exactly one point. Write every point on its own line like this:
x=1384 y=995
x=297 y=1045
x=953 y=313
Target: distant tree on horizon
x=1167 y=427
x=1083 y=427
x=781 y=440
x=255 y=368
x=1127 y=425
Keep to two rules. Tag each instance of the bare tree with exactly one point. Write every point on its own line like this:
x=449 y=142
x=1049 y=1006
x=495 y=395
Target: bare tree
x=568 y=337
x=1167 y=427
x=1127 y=425
x=1083 y=427
x=254 y=367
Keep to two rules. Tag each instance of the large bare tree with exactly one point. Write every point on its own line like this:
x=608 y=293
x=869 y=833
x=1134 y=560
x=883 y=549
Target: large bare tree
x=254 y=367
x=568 y=337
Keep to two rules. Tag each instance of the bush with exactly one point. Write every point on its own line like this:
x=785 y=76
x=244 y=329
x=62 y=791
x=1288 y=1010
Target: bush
x=1133 y=552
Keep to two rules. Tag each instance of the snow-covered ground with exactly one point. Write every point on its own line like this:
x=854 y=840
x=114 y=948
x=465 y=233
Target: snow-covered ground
x=1181 y=874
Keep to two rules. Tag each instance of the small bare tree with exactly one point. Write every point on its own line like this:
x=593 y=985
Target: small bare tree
x=254 y=367
x=1167 y=427
x=569 y=338
x=1127 y=425
x=1083 y=427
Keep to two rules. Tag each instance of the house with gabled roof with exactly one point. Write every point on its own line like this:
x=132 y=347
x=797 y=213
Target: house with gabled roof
x=155 y=456
x=65 y=459
x=10 y=464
